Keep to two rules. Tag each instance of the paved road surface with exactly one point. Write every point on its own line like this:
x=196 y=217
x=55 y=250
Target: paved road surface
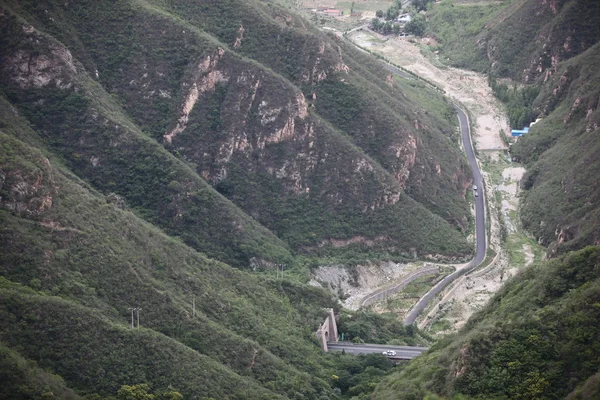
x=383 y=293
x=402 y=352
x=479 y=225
x=397 y=71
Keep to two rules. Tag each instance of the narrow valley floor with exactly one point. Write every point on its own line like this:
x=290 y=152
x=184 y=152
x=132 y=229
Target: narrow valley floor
x=512 y=248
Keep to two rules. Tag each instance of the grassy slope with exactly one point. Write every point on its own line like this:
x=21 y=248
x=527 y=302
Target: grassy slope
x=537 y=339
x=132 y=40
x=73 y=262
x=22 y=379
x=518 y=39
x=104 y=259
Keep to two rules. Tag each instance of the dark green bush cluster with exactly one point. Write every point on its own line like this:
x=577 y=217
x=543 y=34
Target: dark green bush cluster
x=518 y=101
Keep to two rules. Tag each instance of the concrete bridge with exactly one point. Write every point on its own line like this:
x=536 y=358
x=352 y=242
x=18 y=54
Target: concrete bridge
x=328 y=335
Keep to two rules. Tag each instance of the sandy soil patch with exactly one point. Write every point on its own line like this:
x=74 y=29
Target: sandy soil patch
x=467 y=87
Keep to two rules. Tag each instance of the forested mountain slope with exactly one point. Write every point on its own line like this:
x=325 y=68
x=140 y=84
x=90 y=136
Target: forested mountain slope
x=549 y=49
x=146 y=148
x=538 y=338
x=562 y=202
x=311 y=143
x=81 y=261
x=518 y=39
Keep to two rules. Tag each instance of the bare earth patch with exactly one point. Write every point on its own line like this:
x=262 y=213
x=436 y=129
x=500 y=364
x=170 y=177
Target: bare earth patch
x=354 y=285
x=467 y=87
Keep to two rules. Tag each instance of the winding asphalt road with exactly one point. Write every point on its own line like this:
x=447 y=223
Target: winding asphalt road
x=402 y=352
x=480 y=238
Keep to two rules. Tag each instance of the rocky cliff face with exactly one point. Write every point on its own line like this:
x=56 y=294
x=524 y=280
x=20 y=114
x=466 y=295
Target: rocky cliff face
x=531 y=38
x=562 y=159
x=307 y=136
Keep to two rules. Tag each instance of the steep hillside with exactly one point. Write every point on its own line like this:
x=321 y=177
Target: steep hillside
x=551 y=47
x=89 y=261
x=518 y=39
x=562 y=202
x=90 y=132
x=73 y=264
x=308 y=141
x=23 y=379
x=144 y=154
x=537 y=339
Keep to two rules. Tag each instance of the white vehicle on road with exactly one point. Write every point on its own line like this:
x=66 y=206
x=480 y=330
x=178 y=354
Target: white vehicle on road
x=389 y=353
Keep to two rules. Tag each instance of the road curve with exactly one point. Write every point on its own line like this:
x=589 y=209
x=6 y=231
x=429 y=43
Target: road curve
x=383 y=293
x=402 y=352
x=480 y=238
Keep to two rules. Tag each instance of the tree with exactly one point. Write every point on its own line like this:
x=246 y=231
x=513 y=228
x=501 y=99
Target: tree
x=416 y=26
x=170 y=395
x=379 y=14
x=135 y=392
x=387 y=27
x=376 y=24
x=141 y=392
x=420 y=4
x=392 y=13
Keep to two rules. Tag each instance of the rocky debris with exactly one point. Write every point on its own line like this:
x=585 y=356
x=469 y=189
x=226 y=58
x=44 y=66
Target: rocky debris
x=206 y=77
x=352 y=284
x=44 y=63
x=27 y=192
x=240 y=37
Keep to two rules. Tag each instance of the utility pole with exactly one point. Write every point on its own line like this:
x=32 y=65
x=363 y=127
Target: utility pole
x=194 y=306
x=138 y=316
x=130 y=308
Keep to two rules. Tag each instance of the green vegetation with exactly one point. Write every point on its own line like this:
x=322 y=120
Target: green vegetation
x=386 y=27
x=304 y=202
x=368 y=327
x=557 y=84
x=561 y=155
x=536 y=339
x=510 y=38
x=23 y=379
x=458 y=29
x=518 y=102
x=100 y=211
x=417 y=26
